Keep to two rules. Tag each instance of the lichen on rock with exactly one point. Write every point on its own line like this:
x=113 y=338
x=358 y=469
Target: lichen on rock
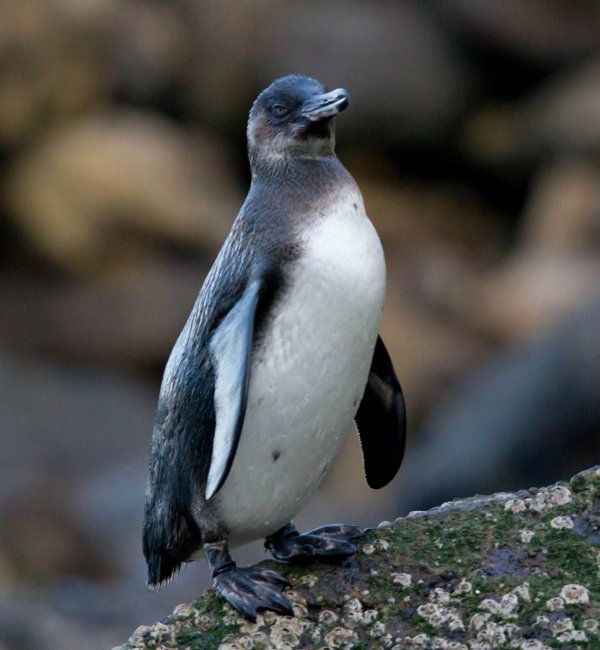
x=506 y=571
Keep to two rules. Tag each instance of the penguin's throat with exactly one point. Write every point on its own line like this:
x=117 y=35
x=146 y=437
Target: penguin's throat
x=283 y=149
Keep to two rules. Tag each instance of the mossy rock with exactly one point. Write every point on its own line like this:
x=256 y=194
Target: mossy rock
x=505 y=571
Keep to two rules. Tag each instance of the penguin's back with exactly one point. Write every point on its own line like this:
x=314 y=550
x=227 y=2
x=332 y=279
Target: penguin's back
x=309 y=368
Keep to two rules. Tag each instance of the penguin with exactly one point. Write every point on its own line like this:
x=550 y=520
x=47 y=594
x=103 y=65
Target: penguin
x=278 y=357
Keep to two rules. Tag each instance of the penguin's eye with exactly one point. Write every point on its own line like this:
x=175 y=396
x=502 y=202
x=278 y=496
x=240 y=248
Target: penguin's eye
x=279 y=110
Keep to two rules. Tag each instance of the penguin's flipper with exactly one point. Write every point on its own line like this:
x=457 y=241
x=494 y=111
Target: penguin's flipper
x=231 y=350
x=381 y=420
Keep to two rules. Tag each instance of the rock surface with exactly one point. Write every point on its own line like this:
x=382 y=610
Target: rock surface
x=503 y=571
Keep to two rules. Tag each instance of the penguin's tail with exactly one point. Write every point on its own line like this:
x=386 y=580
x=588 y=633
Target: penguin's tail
x=168 y=541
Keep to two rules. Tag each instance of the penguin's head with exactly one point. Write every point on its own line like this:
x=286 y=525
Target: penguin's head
x=294 y=117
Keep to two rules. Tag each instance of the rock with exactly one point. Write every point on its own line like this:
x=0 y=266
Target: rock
x=67 y=427
x=540 y=33
x=54 y=69
x=557 y=119
x=395 y=58
x=113 y=185
x=219 y=89
x=485 y=572
x=69 y=58
x=149 y=50
x=528 y=416
x=554 y=268
x=128 y=319
x=532 y=292
x=413 y=215
x=27 y=621
x=562 y=216
x=563 y=115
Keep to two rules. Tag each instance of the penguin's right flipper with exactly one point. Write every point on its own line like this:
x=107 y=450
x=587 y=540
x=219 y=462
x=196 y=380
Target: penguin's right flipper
x=231 y=351
x=381 y=420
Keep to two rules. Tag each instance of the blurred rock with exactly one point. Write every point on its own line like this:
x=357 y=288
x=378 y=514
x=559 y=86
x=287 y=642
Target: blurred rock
x=229 y=39
x=65 y=58
x=393 y=58
x=555 y=267
x=109 y=187
x=52 y=65
x=45 y=538
x=27 y=621
x=491 y=139
x=564 y=116
x=413 y=217
x=65 y=426
x=563 y=211
x=129 y=319
x=540 y=32
x=429 y=354
x=529 y=415
x=149 y=50
x=560 y=118
x=532 y=292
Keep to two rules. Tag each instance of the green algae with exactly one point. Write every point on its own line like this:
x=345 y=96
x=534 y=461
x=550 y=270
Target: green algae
x=198 y=640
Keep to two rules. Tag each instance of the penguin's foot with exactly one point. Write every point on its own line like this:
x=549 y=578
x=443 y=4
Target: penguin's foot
x=333 y=542
x=246 y=589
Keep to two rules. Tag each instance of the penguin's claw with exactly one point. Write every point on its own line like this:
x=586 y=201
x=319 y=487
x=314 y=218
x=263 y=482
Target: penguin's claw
x=250 y=589
x=333 y=542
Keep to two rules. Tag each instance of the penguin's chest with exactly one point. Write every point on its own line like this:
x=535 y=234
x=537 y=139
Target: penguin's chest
x=308 y=373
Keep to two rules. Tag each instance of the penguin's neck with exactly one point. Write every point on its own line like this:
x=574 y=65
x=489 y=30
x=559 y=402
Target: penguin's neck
x=317 y=172
x=287 y=194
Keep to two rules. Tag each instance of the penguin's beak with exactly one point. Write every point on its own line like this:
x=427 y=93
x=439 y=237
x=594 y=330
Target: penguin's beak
x=326 y=106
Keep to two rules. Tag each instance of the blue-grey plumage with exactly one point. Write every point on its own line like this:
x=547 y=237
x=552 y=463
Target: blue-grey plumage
x=278 y=356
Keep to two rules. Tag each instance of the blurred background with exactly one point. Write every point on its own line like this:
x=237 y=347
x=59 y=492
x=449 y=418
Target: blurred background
x=474 y=134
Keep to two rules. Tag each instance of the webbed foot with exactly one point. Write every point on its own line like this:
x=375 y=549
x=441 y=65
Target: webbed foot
x=246 y=589
x=333 y=542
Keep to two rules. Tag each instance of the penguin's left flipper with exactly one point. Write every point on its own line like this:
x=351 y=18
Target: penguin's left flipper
x=333 y=542
x=381 y=420
x=231 y=351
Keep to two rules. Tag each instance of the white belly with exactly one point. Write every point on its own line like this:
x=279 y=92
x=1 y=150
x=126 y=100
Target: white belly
x=308 y=377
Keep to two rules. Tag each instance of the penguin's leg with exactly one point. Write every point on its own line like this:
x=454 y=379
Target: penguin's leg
x=333 y=542
x=246 y=589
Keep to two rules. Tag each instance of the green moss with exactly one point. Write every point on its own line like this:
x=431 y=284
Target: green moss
x=586 y=485
x=197 y=640
x=210 y=602
x=568 y=554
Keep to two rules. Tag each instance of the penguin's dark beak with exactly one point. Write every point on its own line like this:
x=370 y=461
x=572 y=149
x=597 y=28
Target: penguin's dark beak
x=326 y=106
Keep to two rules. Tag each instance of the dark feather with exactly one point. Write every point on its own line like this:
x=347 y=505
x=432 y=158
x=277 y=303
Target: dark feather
x=381 y=420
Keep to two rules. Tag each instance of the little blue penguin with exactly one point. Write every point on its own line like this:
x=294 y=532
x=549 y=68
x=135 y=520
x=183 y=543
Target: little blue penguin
x=278 y=357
